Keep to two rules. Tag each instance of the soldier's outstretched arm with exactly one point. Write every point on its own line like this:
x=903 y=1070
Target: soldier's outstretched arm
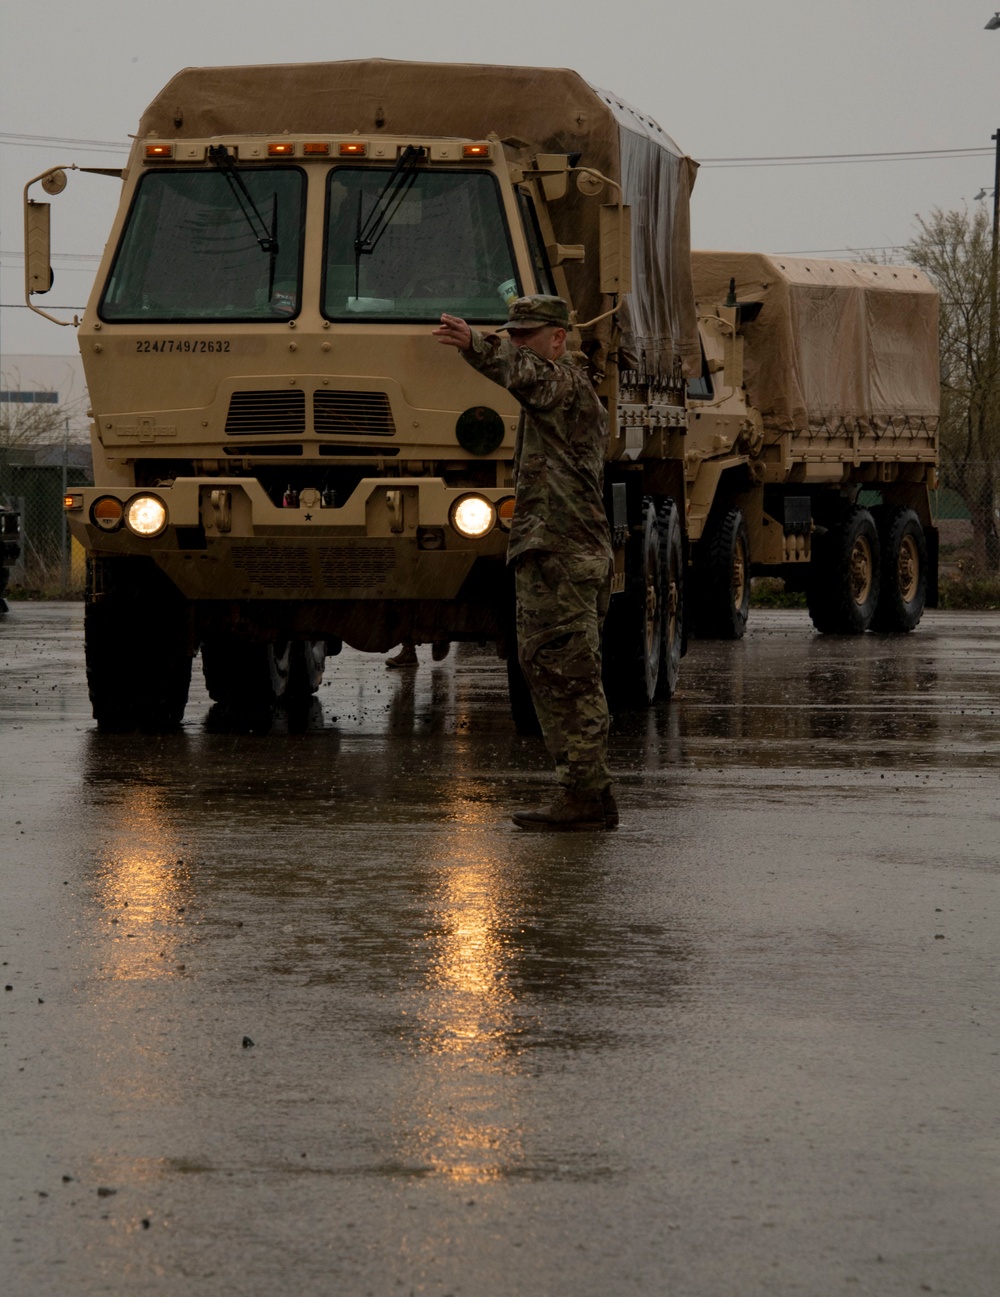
x=454 y=332
x=492 y=356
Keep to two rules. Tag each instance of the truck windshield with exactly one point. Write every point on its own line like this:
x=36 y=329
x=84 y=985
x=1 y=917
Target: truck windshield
x=444 y=246
x=189 y=252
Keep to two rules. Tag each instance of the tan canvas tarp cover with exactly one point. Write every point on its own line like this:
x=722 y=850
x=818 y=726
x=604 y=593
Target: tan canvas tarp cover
x=835 y=340
x=550 y=110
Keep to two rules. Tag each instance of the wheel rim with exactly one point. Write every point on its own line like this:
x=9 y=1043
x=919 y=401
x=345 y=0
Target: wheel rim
x=278 y=657
x=652 y=612
x=908 y=570
x=861 y=570
x=739 y=574
x=672 y=605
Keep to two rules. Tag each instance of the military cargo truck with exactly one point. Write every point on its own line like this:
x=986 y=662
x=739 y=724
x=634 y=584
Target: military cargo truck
x=286 y=460
x=812 y=443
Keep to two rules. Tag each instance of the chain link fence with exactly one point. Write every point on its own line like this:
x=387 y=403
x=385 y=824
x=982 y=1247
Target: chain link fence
x=33 y=481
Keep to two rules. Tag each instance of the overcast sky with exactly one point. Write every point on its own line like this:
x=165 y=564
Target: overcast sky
x=728 y=79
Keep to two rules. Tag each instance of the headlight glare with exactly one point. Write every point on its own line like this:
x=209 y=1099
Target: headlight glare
x=473 y=516
x=146 y=515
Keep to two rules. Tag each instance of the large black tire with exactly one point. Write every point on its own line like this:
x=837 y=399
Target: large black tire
x=245 y=679
x=903 y=589
x=672 y=564
x=238 y=669
x=844 y=575
x=137 y=647
x=249 y=680
x=719 y=594
x=306 y=660
x=643 y=630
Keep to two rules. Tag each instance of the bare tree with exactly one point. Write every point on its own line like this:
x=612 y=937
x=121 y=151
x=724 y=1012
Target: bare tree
x=955 y=249
x=27 y=421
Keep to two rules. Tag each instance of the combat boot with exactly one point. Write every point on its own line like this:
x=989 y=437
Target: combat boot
x=610 y=809
x=406 y=657
x=568 y=813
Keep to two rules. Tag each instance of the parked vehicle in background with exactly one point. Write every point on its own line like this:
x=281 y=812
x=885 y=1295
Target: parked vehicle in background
x=10 y=548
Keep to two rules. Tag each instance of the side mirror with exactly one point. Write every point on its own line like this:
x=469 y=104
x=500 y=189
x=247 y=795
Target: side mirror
x=55 y=181
x=37 y=247
x=615 y=238
x=37 y=237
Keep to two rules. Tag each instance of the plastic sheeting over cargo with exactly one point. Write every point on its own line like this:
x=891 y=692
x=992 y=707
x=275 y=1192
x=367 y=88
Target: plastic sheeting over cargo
x=534 y=110
x=835 y=341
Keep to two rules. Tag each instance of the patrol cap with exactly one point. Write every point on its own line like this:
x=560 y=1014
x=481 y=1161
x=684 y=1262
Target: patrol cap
x=537 y=312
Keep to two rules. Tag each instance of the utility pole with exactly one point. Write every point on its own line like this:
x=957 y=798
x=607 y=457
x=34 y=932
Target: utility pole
x=994 y=281
x=64 y=547
x=993 y=360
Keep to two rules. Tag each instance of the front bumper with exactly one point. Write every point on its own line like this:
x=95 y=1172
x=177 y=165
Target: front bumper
x=226 y=539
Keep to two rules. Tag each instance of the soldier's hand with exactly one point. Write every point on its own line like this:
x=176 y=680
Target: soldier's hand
x=454 y=332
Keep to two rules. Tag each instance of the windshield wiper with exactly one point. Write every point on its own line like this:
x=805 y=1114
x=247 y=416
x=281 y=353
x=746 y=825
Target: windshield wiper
x=266 y=238
x=392 y=193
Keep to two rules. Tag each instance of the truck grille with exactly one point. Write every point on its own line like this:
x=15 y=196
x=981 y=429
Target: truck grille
x=354 y=414
x=274 y=566
x=266 y=414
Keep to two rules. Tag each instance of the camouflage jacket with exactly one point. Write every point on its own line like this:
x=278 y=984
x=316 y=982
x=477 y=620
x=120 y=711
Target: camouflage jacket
x=562 y=439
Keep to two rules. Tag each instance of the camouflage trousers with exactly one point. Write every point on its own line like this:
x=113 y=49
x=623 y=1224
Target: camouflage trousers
x=561 y=604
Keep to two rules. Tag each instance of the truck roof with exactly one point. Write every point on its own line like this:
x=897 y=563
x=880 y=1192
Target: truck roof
x=542 y=110
x=551 y=109
x=833 y=340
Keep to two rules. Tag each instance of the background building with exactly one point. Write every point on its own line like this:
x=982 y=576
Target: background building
x=44 y=450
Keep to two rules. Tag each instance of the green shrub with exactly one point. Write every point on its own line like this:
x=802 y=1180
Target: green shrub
x=969 y=593
x=972 y=593
x=770 y=592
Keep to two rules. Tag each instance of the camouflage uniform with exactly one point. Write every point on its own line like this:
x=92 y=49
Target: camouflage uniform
x=561 y=548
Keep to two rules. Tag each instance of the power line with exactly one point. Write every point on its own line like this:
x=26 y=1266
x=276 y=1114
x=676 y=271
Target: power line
x=829 y=252
x=58 y=256
x=843 y=159
x=23 y=306
x=880 y=153
x=778 y=159
x=28 y=141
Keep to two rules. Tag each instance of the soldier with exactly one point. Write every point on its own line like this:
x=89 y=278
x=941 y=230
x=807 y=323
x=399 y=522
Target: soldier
x=560 y=547
x=407 y=655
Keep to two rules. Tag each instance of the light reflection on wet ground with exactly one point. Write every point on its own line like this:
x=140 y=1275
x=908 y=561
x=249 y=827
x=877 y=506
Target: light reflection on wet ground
x=742 y=1045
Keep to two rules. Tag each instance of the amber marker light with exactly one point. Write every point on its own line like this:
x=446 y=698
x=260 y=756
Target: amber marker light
x=107 y=513
x=72 y=501
x=475 y=150
x=353 y=149
x=280 y=150
x=505 y=512
x=315 y=148
x=157 y=151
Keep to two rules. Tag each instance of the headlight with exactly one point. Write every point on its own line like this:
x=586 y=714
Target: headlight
x=473 y=516
x=146 y=515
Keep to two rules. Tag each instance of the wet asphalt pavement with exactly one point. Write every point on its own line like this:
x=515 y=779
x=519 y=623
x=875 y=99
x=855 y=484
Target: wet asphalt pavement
x=746 y=1045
